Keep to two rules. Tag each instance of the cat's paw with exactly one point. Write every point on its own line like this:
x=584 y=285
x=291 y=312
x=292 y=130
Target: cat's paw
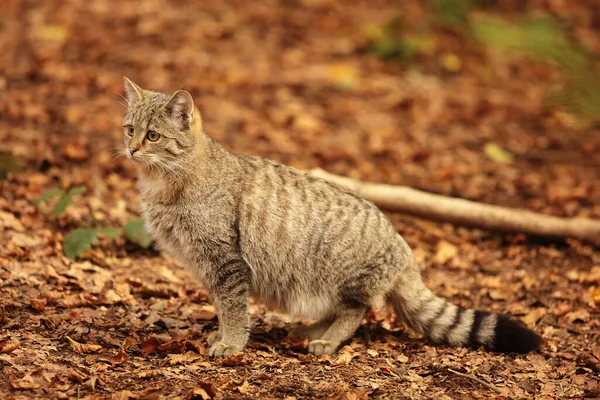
x=222 y=349
x=213 y=337
x=320 y=347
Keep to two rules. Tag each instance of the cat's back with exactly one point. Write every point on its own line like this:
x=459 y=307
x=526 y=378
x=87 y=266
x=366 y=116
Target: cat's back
x=303 y=214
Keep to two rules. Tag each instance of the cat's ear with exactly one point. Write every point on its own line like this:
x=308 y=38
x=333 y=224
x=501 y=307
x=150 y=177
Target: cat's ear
x=133 y=93
x=180 y=109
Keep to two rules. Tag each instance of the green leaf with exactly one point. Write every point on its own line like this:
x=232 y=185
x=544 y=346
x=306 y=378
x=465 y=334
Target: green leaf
x=49 y=194
x=134 y=231
x=77 y=190
x=539 y=37
x=112 y=233
x=62 y=205
x=497 y=153
x=79 y=240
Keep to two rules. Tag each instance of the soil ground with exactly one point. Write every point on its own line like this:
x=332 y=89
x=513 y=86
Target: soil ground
x=292 y=81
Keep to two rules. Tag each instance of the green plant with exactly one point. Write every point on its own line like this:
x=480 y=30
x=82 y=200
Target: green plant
x=64 y=198
x=134 y=231
x=82 y=239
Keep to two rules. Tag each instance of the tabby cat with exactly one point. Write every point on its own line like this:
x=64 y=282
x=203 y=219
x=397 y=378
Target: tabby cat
x=249 y=226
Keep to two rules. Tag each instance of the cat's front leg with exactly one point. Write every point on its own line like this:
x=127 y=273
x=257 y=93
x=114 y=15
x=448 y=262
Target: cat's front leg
x=229 y=291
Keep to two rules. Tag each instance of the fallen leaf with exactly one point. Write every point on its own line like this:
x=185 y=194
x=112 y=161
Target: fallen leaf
x=373 y=353
x=209 y=388
x=39 y=304
x=445 y=251
x=83 y=348
x=344 y=357
x=206 y=313
x=591 y=277
x=75 y=376
x=233 y=360
x=451 y=62
x=150 y=345
x=595 y=297
x=3 y=317
x=118 y=358
x=6 y=346
x=198 y=394
x=150 y=393
x=244 y=388
x=497 y=153
x=25 y=241
x=26 y=382
x=9 y=163
x=578 y=315
x=75 y=150
x=184 y=358
x=534 y=316
x=77 y=300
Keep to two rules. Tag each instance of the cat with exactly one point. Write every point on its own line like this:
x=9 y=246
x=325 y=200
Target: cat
x=249 y=226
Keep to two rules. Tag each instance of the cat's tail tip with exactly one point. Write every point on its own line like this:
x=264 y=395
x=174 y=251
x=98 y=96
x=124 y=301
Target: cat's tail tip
x=513 y=336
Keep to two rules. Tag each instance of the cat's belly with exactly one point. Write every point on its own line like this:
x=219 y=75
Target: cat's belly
x=288 y=290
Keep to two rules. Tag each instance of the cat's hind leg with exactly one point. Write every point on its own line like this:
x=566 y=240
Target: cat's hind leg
x=312 y=332
x=344 y=324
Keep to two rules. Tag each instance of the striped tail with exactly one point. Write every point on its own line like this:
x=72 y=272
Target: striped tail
x=443 y=322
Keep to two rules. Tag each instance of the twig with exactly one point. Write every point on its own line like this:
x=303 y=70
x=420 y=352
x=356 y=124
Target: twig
x=484 y=383
x=466 y=212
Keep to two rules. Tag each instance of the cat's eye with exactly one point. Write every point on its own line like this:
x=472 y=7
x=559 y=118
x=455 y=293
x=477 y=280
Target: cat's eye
x=153 y=136
x=128 y=129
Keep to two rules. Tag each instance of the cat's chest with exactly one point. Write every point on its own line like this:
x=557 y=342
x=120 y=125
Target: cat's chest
x=163 y=223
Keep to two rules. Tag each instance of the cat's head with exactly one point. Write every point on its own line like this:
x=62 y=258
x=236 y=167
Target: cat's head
x=160 y=131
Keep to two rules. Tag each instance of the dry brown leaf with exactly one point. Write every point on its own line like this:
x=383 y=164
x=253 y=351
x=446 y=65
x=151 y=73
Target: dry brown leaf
x=6 y=346
x=578 y=315
x=150 y=393
x=39 y=304
x=233 y=360
x=184 y=358
x=206 y=313
x=123 y=395
x=534 y=316
x=209 y=388
x=75 y=376
x=244 y=388
x=25 y=241
x=26 y=382
x=91 y=383
x=150 y=345
x=118 y=358
x=75 y=150
x=591 y=277
x=344 y=357
x=3 y=317
x=198 y=394
x=77 y=300
x=83 y=348
x=444 y=252
x=595 y=296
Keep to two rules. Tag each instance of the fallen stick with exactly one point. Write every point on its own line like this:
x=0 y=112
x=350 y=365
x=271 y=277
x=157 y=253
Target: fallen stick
x=466 y=212
x=484 y=383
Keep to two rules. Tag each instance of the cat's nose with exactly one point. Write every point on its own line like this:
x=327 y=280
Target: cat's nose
x=132 y=150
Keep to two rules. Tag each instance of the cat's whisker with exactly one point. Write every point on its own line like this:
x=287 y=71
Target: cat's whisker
x=123 y=104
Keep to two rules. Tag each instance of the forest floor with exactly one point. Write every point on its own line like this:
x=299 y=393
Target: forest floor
x=292 y=81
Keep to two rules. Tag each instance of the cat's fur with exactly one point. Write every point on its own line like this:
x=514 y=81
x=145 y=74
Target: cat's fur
x=248 y=226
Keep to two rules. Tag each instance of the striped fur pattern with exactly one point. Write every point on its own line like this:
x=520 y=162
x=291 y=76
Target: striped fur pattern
x=248 y=226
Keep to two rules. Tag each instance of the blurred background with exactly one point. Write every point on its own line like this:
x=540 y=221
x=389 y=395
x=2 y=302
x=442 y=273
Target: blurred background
x=494 y=101
x=497 y=101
